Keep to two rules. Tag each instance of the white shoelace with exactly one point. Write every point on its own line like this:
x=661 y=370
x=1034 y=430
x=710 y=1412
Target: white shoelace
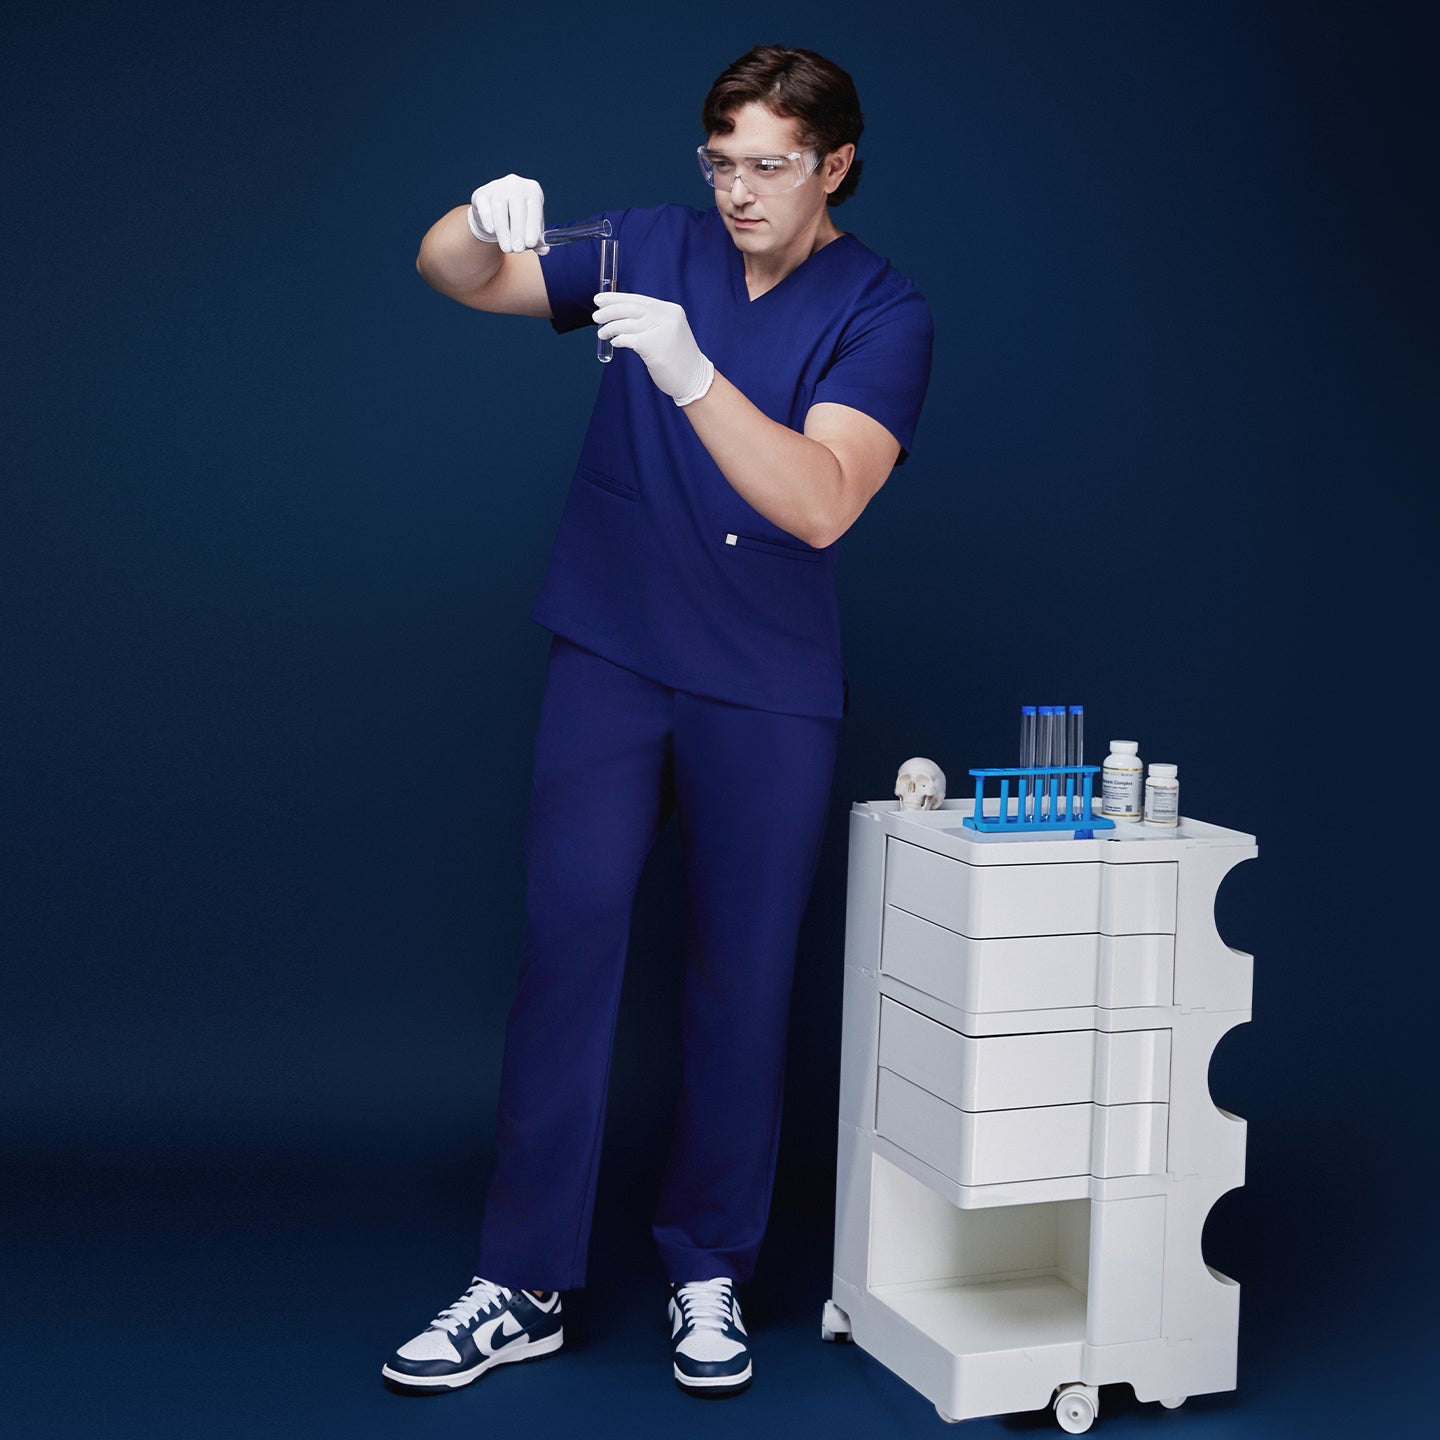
x=705 y=1304
x=482 y=1295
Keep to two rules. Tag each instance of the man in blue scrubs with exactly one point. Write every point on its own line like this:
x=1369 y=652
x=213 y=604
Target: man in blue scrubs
x=768 y=375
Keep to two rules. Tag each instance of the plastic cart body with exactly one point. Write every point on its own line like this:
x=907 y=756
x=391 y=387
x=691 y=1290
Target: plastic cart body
x=1028 y=1149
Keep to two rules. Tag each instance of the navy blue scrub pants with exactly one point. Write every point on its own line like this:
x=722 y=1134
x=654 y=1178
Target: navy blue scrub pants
x=615 y=755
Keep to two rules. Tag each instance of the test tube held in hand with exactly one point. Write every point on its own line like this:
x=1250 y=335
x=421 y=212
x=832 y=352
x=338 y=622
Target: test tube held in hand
x=609 y=282
x=600 y=229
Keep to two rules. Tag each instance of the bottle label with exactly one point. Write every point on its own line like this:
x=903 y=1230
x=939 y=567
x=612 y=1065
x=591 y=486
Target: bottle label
x=1162 y=804
x=1121 y=791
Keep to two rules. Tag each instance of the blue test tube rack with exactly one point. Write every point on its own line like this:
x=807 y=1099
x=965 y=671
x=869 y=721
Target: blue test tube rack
x=1060 y=798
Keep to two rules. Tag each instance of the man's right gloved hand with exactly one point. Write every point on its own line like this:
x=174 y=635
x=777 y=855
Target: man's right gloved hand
x=510 y=213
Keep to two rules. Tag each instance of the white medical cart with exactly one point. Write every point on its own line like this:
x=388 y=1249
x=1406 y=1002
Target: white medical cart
x=1028 y=1149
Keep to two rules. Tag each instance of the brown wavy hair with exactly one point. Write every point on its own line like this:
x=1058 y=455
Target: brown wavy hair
x=798 y=85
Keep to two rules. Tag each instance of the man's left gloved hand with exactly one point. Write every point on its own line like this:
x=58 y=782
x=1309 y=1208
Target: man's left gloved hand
x=658 y=332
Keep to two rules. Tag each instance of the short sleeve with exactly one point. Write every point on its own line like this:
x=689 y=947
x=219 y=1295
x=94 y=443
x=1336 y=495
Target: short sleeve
x=882 y=365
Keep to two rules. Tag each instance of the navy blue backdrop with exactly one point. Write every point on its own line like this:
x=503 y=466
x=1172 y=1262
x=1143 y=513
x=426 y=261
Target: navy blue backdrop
x=274 y=517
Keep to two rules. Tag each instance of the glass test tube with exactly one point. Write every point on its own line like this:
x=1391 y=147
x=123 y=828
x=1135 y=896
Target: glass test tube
x=600 y=229
x=1076 y=751
x=1057 y=757
x=609 y=281
x=1027 y=760
x=1043 y=741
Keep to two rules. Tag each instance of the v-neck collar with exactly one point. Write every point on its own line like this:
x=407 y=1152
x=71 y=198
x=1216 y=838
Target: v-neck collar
x=737 y=267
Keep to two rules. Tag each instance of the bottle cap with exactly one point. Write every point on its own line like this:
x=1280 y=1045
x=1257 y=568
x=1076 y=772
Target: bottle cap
x=1164 y=772
x=1126 y=747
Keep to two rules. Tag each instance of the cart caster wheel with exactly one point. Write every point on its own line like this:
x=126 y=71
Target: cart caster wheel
x=1076 y=1407
x=834 y=1325
x=948 y=1419
x=1174 y=1402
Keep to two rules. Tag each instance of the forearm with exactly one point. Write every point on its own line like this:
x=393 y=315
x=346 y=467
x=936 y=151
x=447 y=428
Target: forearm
x=812 y=484
x=478 y=274
x=794 y=481
x=453 y=261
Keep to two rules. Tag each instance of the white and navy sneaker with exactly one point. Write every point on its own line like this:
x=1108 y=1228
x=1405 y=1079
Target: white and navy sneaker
x=488 y=1325
x=708 y=1339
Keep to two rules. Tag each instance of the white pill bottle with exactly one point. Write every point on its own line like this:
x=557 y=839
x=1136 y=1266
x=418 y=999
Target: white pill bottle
x=1162 y=796
x=1122 y=781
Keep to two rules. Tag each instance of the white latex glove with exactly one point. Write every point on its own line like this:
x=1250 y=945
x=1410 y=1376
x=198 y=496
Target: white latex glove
x=658 y=332
x=510 y=213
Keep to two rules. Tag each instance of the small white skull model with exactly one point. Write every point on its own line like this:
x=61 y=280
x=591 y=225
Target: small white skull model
x=920 y=785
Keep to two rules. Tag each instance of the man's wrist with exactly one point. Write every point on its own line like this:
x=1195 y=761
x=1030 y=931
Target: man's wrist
x=472 y=217
x=704 y=380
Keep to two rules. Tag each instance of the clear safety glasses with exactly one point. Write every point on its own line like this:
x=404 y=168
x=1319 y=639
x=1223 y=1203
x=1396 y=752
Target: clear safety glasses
x=759 y=174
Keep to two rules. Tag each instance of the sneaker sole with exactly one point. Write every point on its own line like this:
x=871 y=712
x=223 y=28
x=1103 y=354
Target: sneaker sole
x=510 y=1354
x=714 y=1384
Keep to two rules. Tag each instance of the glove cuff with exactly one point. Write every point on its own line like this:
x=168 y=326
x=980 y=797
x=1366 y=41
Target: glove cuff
x=702 y=384
x=478 y=230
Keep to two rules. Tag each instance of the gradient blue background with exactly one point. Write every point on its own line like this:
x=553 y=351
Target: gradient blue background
x=274 y=517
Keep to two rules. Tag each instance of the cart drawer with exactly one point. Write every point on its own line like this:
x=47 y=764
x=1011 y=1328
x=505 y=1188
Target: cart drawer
x=1031 y=972
x=1011 y=1072
x=990 y=901
x=999 y=1147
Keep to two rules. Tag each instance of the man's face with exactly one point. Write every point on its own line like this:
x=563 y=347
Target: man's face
x=766 y=224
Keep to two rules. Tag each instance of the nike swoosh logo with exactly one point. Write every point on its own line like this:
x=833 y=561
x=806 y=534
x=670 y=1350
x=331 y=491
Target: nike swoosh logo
x=502 y=1329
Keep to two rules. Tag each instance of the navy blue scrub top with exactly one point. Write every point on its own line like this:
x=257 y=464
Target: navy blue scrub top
x=658 y=564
